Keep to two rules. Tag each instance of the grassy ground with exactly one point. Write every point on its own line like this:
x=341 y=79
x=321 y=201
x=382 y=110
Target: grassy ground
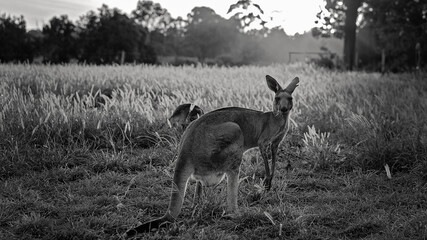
x=70 y=170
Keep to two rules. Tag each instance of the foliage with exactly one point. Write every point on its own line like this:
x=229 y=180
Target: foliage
x=105 y=38
x=332 y=19
x=14 y=44
x=60 y=40
x=154 y=21
x=151 y=16
x=208 y=34
x=317 y=147
x=109 y=36
x=247 y=14
x=398 y=28
x=339 y=20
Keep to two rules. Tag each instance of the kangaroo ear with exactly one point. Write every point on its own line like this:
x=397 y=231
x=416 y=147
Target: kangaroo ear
x=291 y=87
x=273 y=84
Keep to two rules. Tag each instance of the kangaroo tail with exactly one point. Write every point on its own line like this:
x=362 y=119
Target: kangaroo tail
x=152 y=225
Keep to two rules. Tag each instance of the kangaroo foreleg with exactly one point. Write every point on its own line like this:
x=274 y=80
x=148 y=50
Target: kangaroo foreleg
x=264 y=149
x=197 y=193
x=232 y=190
x=274 y=147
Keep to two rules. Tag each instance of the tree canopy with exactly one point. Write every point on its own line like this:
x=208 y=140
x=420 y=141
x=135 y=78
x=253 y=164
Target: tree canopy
x=396 y=27
x=151 y=35
x=14 y=45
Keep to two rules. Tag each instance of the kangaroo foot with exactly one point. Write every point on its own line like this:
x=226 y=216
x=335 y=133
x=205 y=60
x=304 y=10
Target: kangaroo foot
x=150 y=226
x=267 y=183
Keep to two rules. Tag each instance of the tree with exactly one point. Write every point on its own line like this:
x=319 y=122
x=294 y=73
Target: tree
x=13 y=40
x=208 y=34
x=109 y=35
x=174 y=38
x=60 y=38
x=152 y=17
x=398 y=27
x=339 y=20
x=35 y=42
x=247 y=14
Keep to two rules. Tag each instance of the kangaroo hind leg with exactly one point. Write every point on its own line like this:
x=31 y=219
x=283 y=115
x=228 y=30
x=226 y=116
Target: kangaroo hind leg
x=235 y=159
x=231 y=157
x=183 y=171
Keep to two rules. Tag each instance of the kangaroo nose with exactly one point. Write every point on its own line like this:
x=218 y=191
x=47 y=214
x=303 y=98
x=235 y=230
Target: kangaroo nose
x=286 y=108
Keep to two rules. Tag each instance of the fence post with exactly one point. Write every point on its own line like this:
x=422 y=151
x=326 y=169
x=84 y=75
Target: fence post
x=383 y=61
x=418 y=56
x=122 y=58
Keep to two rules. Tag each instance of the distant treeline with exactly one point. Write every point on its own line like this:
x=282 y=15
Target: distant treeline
x=150 y=35
x=391 y=36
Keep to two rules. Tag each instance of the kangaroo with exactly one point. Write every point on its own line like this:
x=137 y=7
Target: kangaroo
x=212 y=147
x=184 y=114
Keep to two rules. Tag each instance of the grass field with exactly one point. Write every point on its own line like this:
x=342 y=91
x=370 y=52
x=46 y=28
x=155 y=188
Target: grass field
x=76 y=164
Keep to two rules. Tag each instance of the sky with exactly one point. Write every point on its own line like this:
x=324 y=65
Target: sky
x=294 y=16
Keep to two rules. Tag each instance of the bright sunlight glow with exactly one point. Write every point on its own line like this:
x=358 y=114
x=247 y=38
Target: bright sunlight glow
x=292 y=16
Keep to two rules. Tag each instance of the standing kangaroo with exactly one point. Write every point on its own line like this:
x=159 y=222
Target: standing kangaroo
x=212 y=148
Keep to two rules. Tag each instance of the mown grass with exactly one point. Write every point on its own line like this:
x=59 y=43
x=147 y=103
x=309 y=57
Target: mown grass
x=86 y=153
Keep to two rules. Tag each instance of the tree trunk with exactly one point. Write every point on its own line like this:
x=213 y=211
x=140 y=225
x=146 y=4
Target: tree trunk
x=147 y=40
x=418 y=56
x=350 y=32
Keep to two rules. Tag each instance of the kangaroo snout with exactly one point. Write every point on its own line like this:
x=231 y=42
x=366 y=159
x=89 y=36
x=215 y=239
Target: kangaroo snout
x=285 y=109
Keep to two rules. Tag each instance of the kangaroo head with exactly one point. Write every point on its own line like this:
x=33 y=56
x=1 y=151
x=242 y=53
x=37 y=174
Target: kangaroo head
x=184 y=114
x=283 y=97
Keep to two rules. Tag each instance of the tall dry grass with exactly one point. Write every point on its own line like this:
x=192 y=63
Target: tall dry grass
x=355 y=119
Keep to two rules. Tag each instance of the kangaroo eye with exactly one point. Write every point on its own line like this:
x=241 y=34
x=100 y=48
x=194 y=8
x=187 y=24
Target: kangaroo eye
x=276 y=99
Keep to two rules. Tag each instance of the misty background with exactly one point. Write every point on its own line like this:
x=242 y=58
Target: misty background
x=373 y=35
